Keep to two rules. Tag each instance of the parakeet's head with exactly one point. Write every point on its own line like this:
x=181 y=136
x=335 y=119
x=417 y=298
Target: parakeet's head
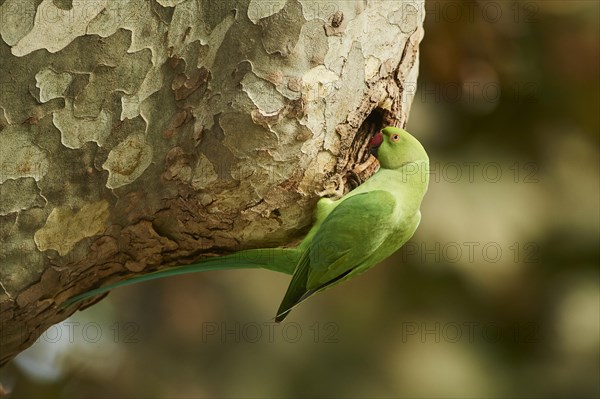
x=396 y=147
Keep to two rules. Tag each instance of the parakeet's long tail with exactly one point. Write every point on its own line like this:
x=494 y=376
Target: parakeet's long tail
x=282 y=260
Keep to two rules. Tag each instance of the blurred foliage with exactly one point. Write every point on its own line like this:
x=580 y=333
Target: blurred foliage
x=496 y=296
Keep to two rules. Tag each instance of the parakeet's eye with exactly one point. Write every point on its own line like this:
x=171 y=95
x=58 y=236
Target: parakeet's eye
x=395 y=137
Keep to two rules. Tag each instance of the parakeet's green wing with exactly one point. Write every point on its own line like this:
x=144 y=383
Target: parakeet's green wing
x=350 y=235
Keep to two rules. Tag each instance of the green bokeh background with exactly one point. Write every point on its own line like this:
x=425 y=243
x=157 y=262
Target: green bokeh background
x=496 y=296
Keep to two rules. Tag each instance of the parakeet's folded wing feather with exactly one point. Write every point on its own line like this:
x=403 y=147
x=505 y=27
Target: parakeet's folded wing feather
x=349 y=235
x=297 y=288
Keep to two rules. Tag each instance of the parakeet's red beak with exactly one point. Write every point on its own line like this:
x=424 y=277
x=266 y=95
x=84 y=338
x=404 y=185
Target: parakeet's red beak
x=375 y=142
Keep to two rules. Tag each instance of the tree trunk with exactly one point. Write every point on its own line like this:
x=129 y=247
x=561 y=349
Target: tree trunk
x=138 y=134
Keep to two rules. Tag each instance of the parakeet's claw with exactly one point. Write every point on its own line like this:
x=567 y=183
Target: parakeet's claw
x=334 y=191
x=362 y=172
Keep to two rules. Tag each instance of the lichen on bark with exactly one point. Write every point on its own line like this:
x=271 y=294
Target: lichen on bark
x=143 y=134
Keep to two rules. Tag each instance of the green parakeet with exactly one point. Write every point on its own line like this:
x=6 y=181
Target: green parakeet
x=349 y=235
x=368 y=224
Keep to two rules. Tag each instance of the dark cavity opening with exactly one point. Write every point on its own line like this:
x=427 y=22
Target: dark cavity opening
x=374 y=122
